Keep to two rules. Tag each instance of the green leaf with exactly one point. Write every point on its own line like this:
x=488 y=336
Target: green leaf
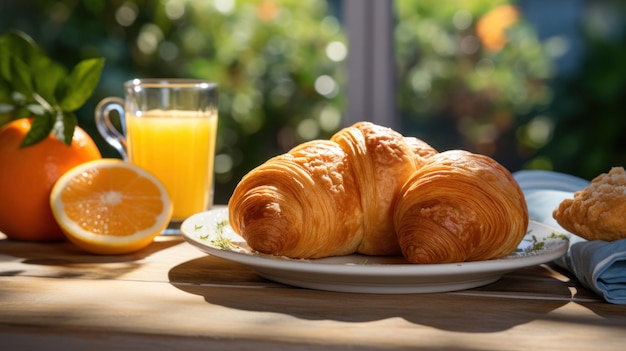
x=63 y=128
x=81 y=83
x=33 y=85
x=39 y=129
x=18 y=44
x=35 y=109
x=21 y=77
x=5 y=90
x=4 y=118
x=22 y=112
x=47 y=76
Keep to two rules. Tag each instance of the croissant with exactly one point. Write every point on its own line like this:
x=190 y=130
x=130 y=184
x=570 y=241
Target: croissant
x=457 y=207
x=383 y=160
x=328 y=197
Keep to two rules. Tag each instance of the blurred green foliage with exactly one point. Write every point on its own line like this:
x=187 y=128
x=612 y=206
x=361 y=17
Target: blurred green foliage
x=589 y=109
x=267 y=57
x=472 y=77
x=511 y=102
x=471 y=74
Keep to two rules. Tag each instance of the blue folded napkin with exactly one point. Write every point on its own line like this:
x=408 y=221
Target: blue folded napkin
x=598 y=265
x=601 y=266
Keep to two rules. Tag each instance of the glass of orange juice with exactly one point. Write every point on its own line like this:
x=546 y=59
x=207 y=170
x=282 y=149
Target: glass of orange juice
x=168 y=127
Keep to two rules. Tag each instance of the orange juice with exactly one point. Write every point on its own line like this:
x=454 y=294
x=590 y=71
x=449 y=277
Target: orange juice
x=178 y=147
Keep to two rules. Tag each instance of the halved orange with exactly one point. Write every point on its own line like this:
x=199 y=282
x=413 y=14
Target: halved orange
x=109 y=206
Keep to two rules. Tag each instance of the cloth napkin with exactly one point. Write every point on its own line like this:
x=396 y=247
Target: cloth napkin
x=598 y=265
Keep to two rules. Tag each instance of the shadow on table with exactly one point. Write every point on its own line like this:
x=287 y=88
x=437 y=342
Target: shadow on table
x=489 y=309
x=607 y=311
x=65 y=260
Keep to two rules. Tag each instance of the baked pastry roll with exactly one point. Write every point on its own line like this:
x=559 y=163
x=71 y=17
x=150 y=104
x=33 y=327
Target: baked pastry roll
x=457 y=207
x=382 y=160
x=597 y=212
x=303 y=204
x=327 y=198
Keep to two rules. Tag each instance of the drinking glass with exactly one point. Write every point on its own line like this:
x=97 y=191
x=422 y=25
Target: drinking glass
x=169 y=128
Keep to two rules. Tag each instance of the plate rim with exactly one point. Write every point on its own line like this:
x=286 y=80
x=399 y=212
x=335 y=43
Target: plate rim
x=494 y=266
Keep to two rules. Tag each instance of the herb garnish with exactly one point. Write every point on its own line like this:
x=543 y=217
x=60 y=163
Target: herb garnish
x=217 y=237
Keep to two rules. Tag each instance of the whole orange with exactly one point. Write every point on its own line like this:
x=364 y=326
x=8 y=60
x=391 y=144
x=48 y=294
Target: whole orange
x=27 y=176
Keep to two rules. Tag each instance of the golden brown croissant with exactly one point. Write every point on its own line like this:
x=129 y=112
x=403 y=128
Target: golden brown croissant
x=382 y=161
x=457 y=207
x=326 y=198
x=301 y=204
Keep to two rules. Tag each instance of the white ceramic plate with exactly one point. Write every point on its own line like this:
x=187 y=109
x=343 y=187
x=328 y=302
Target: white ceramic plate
x=209 y=231
x=544 y=191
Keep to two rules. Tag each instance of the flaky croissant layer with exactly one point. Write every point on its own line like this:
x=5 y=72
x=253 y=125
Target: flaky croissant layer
x=300 y=204
x=370 y=190
x=459 y=207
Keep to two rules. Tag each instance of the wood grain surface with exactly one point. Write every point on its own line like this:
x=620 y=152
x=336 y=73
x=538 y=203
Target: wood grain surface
x=171 y=295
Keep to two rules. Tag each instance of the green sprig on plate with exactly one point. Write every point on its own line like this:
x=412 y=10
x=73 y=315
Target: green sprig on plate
x=216 y=237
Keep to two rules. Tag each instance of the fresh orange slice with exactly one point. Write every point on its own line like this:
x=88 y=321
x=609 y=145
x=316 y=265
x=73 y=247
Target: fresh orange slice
x=109 y=206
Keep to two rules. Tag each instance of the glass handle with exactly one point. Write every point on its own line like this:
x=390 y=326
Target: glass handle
x=106 y=127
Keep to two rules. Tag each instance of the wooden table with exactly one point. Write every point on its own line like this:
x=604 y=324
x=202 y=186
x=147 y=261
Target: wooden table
x=172 y=296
